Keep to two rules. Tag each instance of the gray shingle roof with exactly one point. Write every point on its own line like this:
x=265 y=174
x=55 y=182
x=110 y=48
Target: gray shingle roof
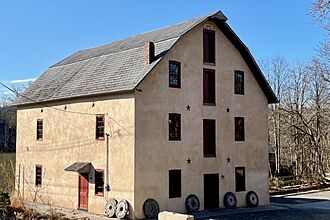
x=119 y=66
x=114 y=67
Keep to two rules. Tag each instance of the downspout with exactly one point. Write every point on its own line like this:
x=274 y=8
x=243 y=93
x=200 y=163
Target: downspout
x=107 y=186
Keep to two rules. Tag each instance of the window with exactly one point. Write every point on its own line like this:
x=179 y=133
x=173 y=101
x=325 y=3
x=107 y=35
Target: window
x=38 y=175
x=174 y=74
x=209 y=140
x=209 y=46
x=174 y=124
x=239 y=129
x=209 y=86
x=175 y=183
x=40 y=128
x=100 y=127
x=240 y=179
x=99 y=182
x=239 y=82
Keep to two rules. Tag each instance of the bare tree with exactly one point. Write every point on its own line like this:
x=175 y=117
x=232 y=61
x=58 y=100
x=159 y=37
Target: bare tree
x=322 y=60
x=8 y=118
x=277 y=70
x=299 y=123
x=320 y=10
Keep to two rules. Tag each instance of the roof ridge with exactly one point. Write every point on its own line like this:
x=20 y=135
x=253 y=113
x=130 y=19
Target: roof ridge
x=137 y=36
x=170 y=25
x=160 y=28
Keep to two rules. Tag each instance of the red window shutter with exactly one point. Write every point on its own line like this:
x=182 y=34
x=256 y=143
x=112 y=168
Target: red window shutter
x=209 y=46
x=209 y=137
x=205 y=137
x=209 y=86
x=205 y=46
x=205 y=87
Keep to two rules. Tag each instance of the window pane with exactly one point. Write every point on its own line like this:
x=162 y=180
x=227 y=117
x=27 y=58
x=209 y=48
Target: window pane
x=38 y=180
x=100 y=127
x=174 y=126
x=99 y=182
x=209 y=137
x=239 y=82
x=240 y=178
x=174 y=74
x=174 y=183
x=39 y=129
x=239 y=129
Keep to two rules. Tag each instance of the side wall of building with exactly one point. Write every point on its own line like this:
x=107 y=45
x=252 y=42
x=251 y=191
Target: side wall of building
x=70 y=137
x=155 y=155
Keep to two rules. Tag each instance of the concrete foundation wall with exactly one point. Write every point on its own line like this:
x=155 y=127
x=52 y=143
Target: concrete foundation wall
x=155 y=155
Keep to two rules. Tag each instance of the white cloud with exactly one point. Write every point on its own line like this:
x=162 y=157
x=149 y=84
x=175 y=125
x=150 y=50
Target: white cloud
x=21 y=81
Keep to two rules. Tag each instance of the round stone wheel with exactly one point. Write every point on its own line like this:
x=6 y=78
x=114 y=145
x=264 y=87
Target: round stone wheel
x=252 y=199
x=192 y=203
x=151 y=208
x=230 y=200
x=110 y=207
x=122 y=209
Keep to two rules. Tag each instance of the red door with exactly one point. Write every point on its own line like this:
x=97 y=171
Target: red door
x=83 y=191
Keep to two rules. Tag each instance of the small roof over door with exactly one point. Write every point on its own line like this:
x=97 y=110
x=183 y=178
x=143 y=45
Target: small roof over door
x=80 y=167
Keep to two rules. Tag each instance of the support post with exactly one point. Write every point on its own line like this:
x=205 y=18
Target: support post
x=19 y=179
x=23 y=182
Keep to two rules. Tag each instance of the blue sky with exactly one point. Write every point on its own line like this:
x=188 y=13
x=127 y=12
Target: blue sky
x=36 y=34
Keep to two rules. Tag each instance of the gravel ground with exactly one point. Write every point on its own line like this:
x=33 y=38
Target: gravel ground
x=306 y=205
x=69 y=213
x=292 y=214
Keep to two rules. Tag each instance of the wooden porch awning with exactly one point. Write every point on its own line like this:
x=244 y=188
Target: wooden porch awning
x=80 y=167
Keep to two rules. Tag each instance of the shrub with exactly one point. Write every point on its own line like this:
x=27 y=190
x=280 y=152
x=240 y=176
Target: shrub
x=4 y=199
x=6 y=212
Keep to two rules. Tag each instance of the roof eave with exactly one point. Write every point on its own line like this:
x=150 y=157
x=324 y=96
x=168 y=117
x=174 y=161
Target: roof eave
x=46 y=103
x=247 y=56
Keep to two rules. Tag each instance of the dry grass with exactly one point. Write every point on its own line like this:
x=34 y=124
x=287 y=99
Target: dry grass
x=17 y=203
x=7 y=172
x=32 y=214
x=17 y=210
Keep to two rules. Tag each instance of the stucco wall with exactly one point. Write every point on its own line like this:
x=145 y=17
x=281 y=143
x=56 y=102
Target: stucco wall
x=70 y=137
x=140 y=153
x=155 y=155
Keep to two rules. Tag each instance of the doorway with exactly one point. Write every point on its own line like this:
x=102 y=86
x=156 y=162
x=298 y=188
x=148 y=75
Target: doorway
x=83 y=191
x=211 y=191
